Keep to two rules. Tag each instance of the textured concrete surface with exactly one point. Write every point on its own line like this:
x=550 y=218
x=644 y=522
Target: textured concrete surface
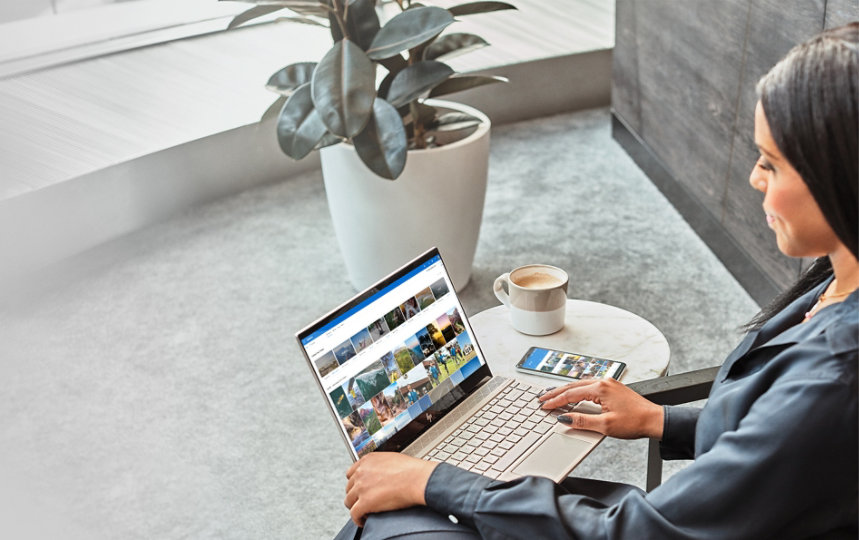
x=155 y=390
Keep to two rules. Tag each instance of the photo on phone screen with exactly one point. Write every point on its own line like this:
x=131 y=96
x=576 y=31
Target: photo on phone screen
x=567 y=365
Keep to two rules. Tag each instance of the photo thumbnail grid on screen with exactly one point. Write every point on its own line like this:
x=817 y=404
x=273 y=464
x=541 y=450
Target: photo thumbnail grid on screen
x=426 y=343
x=397 y=387
x=573 y=365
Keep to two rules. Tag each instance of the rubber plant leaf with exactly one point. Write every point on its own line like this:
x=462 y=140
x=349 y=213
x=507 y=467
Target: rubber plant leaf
x=455 y=121
x=416 y=79
x=385 y=85
x=285 y=3
x=409 y=29
x=251 y=14
x=328 y=140
x=455 y=44
x=362 y=23
x=464 y=82
x=426 y=113
x=303 y=7
x=301 y=19
x=286 y=80
x=382 y=146
x=299 y=127
x=426 y=117
x=343 y=89
x=472 y=8
x=273 y=110
x=394 y=63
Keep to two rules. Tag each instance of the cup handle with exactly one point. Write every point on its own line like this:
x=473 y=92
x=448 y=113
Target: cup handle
x=498 y=287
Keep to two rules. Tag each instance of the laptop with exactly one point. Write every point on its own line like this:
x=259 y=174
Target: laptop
x=401 y=371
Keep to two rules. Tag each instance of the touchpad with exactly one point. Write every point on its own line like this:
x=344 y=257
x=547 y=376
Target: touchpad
x=554 y=457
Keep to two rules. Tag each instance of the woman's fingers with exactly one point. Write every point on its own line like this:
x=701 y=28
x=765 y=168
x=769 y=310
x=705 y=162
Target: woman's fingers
x=351 y=470
x=571 y=393
x=624 y=413
x=356 y=507
x=351 y=474
x=356 y=495
x=356 y=512
x=553 y=391
x=589 y=422
x=385 y=481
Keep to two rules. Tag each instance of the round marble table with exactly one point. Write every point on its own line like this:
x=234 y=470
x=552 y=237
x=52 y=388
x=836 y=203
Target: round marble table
x=591 y=328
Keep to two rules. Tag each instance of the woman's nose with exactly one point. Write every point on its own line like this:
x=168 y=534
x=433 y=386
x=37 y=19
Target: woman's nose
x=757 y=180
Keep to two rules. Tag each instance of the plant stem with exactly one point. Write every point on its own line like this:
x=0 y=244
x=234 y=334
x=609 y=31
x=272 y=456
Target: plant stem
x=339 y=16
x=417 y=125
x=418 y=129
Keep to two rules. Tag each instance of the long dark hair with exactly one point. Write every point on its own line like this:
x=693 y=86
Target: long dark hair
x=810 y=100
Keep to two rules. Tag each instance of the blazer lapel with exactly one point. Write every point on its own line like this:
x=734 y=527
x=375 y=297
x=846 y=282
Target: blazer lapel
x=783 y=329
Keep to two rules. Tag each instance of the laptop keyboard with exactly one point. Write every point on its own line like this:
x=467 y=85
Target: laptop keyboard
x=499 y=433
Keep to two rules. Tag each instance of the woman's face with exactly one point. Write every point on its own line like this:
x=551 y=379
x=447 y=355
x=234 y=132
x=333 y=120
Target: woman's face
x=791 y=211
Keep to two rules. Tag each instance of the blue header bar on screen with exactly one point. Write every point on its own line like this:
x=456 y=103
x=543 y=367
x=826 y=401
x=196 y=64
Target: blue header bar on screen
x=369 y=300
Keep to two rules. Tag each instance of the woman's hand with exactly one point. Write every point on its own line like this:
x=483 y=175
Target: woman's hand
x=625 y=414
x=383 y=481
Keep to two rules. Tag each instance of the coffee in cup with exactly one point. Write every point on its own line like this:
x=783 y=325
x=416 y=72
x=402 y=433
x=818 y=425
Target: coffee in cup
x=536 y=297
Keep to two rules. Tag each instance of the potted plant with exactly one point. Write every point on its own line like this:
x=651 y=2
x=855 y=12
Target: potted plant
x=373 y=90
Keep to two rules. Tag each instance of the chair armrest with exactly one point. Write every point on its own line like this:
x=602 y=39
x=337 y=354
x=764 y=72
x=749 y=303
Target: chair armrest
x=672 y=390
x=677 y=389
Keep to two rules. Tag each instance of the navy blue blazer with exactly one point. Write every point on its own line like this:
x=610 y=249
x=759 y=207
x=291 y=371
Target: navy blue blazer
x=775 y=450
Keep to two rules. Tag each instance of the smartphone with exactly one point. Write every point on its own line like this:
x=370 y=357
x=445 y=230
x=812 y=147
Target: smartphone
x=567 y=365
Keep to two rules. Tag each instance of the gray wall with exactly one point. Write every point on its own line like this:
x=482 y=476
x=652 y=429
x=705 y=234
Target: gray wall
x=683 y=82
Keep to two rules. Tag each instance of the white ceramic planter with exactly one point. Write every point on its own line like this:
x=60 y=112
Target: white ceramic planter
x=437 y=201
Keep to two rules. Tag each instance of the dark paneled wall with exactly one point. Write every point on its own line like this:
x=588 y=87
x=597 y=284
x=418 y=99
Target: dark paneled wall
x=683 y=80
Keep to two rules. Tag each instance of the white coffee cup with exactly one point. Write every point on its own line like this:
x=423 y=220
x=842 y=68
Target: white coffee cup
x=536 y=298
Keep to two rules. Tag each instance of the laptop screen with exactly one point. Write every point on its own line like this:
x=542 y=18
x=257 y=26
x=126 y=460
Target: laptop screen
x=396 y=358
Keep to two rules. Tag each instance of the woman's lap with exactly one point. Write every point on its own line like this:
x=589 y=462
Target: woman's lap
x=421 y=523
x=416 y=523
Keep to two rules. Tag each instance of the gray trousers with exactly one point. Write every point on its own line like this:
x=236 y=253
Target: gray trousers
x=422 y=523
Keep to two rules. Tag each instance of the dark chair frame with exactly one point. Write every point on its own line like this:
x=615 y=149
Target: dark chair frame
x=672 y=390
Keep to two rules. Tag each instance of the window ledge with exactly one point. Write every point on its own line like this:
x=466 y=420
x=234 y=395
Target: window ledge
x=150 y=131
x=42 y=42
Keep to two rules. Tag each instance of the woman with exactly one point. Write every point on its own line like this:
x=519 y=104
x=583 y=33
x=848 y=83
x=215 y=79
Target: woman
x=775 y=447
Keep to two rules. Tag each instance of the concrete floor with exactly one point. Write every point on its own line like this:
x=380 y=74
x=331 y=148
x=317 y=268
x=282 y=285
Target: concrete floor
x=155 y=390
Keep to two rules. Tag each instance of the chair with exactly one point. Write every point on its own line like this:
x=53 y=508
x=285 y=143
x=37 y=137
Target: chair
x=672 y=390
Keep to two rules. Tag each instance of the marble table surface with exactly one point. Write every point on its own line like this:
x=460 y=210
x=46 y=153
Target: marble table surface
x=591 y=328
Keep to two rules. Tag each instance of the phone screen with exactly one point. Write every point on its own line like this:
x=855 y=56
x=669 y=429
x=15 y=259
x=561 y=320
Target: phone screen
x=567 y=365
